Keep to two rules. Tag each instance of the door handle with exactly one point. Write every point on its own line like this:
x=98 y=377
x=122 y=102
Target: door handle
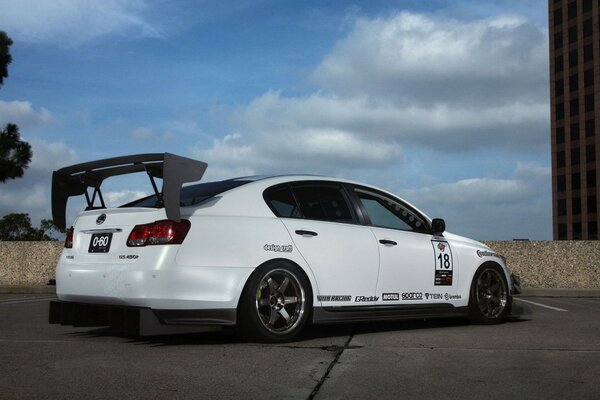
x=302 y=232
x=388 y=242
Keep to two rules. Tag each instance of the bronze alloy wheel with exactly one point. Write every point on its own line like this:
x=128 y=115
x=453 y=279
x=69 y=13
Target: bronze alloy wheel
x=491 y=294
x=280 y=301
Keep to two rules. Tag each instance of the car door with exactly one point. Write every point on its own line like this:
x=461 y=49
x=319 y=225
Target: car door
x=414 y=266
x=341 y=253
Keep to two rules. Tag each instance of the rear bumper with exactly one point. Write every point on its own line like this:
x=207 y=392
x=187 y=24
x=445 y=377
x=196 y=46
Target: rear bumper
x=139 y=321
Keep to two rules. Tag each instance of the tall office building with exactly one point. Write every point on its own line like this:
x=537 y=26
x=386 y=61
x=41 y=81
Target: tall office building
x=574 y=27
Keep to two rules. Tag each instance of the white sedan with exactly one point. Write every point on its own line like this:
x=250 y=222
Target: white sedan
x=266 y=254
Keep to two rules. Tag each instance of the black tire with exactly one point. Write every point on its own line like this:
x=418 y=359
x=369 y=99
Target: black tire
x=489 y=300
x=275 y=304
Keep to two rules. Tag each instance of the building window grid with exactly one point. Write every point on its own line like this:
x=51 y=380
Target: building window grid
x=575 y=160
x=592 y=204
x=573 y=82
x=588 y=77
x=589 y=103
x=576 y=181
x=592 y=230
x=582 y=226
x=588 y=53
x=574 y=132
x=591 y=179
x=590 y=127
x=561 y=183
x=573 y=62
x=572 y=10
x=572 y=34
x=577 y=231
x=590 y=153
x=560 y=135
x=574 y=107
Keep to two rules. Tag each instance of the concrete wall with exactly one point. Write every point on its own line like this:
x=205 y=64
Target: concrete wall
x=553 y=264
x=560 y=264
x=28 y=263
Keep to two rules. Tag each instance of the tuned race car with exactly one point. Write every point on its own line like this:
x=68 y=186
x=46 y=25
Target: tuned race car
x=267 y=254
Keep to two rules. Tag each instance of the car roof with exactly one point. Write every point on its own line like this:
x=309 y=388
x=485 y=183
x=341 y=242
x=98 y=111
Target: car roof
x=259 y=183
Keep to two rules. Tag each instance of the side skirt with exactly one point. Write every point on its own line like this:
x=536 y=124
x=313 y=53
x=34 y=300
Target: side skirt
x=330 y=315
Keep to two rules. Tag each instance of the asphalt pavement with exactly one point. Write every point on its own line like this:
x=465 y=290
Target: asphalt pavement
x=553 y=353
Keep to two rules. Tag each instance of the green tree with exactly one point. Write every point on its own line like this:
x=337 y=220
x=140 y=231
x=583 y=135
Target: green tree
x=15 y=154
x=5 y=57
x=18 y=227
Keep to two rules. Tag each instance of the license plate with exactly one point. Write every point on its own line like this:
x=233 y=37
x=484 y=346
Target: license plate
x=100 y=242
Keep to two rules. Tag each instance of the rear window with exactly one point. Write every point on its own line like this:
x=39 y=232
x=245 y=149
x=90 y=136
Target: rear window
x=318 y=201
x=191 y=195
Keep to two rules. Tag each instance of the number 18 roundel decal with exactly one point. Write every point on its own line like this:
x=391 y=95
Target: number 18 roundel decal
x=443 y=263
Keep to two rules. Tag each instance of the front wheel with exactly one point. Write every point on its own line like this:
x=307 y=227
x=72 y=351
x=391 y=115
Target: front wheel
x=275 y=304
x=489 y=302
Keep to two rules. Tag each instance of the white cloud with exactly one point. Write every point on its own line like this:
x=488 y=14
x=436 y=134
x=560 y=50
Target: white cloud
x=472 y=191
x=115 y=199
x=405 y=81
x=412 y=58
x=23 y=114
x=72 y=22
x=148 y=135
x=489 y=208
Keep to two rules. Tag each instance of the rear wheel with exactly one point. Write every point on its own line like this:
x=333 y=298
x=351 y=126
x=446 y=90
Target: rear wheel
x=489 y=302
x=275 y=304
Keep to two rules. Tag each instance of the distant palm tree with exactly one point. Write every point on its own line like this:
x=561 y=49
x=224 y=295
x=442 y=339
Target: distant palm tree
x=15 y=154
x=5 y=58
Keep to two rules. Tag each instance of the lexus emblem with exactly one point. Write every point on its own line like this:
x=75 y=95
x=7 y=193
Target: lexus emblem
x=100 y=220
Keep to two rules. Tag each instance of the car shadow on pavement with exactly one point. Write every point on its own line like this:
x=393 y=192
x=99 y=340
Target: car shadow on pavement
x=314 y=332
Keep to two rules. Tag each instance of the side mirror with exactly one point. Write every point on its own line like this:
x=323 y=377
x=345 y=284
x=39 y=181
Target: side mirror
x=438 y=226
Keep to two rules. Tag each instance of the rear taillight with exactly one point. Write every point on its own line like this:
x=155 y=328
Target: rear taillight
x=159 y=232
x=69 y=238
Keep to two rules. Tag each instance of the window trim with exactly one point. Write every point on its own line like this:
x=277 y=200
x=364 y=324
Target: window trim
x=426 y=222
x=352 y=205
x=355 y=203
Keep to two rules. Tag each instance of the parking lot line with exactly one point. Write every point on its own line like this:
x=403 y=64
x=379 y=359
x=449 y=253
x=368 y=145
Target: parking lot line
x=540 y=305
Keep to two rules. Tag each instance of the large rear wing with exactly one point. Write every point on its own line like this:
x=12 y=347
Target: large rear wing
x=76 y=179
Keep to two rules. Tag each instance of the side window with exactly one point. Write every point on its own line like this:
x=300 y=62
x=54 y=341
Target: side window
x=282 y=202
x=325 y=203
x=388 y=213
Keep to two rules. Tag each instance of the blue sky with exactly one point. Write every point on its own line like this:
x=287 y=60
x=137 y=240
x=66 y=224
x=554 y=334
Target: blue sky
x=443 y=102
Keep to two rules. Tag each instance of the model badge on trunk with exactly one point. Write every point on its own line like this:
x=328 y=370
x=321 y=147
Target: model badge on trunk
x=100 y=220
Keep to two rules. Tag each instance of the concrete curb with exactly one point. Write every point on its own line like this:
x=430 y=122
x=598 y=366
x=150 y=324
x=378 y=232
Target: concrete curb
x=527 y=292
x=559 y=292
x=27 y=289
